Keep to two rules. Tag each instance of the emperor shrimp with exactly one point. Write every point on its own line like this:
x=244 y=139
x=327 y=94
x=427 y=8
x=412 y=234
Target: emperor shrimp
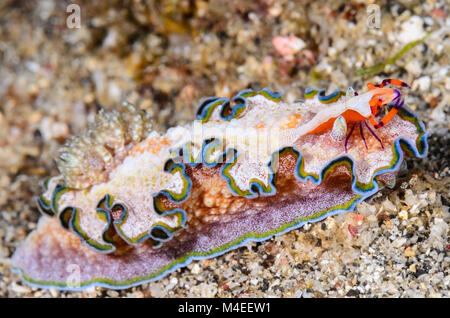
x=357 y=110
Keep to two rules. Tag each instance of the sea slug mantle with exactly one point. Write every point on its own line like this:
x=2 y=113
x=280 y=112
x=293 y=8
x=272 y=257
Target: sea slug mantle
x=132 y=205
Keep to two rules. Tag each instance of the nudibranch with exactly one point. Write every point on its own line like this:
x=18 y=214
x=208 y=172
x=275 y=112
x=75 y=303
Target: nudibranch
x=132 y=205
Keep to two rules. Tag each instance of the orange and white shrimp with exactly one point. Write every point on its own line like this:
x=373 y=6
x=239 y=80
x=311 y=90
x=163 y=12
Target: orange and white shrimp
x=359 y=109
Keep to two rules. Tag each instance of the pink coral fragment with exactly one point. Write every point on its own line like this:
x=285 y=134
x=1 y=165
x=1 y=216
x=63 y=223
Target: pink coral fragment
x=287 y=46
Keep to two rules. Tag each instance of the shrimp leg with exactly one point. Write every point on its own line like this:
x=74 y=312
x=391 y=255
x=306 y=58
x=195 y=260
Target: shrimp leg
x=362 y=134
x=390 y=81
x=348 y=136
x=386 y=119
x=373 y=134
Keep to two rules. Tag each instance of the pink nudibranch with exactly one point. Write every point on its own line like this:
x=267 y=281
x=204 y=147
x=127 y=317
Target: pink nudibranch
x=133 y=205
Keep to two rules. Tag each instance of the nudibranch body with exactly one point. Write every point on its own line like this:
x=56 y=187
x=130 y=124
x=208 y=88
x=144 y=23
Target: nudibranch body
x=132 y=205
